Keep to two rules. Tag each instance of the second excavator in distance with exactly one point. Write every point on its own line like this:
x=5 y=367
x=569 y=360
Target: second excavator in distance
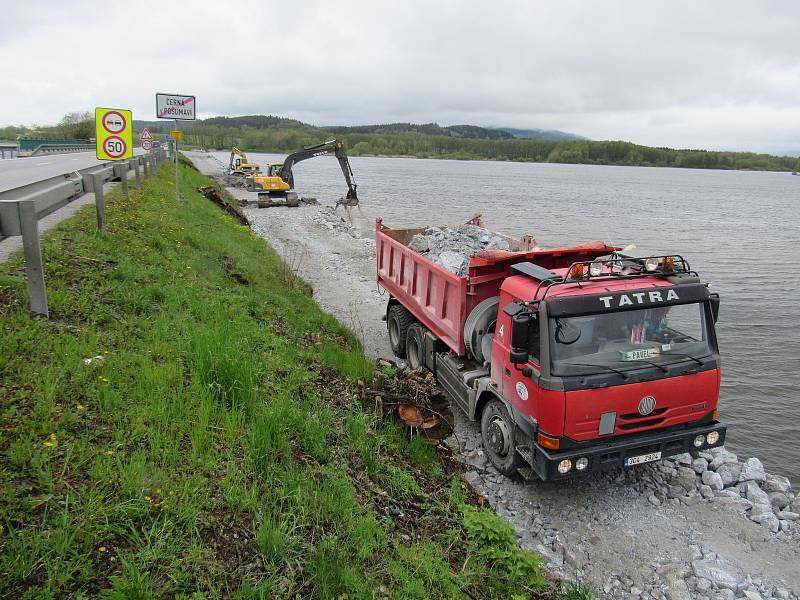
x=239 y=165
x=277 y=184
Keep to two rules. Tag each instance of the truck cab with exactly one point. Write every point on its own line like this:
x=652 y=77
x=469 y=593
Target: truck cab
x=604 y=369
x=573 y=359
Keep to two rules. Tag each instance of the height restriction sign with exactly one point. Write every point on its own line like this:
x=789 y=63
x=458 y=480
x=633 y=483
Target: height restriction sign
x=114 y=132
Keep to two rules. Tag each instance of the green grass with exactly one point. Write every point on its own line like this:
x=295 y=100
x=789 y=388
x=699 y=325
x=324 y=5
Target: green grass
x=218 y=449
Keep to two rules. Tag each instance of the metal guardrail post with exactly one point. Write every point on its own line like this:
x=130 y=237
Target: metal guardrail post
x=99 y=201
x=138 y=183
x=146 y=167
x=124 y=177
x=33 y=256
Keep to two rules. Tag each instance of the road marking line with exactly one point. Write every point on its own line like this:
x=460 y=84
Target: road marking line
x=44 y=163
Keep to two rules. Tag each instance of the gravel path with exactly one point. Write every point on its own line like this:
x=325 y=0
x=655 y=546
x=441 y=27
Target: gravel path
x=669 y=530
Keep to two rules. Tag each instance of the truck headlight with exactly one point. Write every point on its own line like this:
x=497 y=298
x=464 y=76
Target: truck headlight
x=713 y=437
x=595 y=269
x=651 y=264
x=564 y=466
x=581 y=463
x=699 y=440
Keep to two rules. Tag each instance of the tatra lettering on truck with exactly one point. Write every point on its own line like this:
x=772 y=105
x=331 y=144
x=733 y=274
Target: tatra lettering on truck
x=572 y=359
x=639 y=297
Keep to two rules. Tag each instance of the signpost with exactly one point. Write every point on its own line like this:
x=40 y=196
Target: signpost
x=178 y=108
x=114 y=133
x=146 y=139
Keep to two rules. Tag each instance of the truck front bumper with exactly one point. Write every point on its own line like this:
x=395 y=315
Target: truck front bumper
x=605 y=455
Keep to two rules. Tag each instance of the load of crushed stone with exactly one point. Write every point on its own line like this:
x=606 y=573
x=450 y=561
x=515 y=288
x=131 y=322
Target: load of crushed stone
x=451 y=248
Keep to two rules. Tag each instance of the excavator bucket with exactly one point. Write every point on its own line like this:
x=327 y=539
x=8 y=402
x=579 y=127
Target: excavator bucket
x=350 y=200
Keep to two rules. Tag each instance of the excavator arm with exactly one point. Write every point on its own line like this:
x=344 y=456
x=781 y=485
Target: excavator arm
x=234 y=153
x=334 y=147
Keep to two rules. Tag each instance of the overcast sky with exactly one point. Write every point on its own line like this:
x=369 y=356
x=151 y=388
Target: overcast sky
x=718 y=74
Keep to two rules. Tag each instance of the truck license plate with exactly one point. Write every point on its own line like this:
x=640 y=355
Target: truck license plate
x=644 y=458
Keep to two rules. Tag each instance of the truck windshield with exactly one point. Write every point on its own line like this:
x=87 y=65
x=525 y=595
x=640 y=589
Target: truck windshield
x=634 y=339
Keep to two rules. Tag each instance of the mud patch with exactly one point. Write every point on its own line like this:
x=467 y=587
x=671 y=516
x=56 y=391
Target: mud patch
x=229 y=266
x=215 y=195
x=232 y=540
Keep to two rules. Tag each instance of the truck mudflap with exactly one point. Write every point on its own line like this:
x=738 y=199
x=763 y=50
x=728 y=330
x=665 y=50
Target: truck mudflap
x=624 y=452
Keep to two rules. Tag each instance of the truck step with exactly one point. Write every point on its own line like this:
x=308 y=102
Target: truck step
x=526 y=453
x=527 y=473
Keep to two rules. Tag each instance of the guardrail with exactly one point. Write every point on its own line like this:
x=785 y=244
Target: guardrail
x=21 y=209
x=61 y=149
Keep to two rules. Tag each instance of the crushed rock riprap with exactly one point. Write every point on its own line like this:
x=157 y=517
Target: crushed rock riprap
x=330 y=219
x=718 y=478
x=452 y=247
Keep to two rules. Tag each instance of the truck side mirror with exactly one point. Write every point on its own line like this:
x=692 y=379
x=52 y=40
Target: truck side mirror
x=520 y=334
x=713 y=301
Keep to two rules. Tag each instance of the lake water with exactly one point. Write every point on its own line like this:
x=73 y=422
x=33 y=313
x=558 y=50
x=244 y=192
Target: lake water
x=739 y=230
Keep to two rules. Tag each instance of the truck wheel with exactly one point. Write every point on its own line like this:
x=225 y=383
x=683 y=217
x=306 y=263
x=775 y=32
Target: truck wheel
x=414 y=346
x=497 y=432
x=398 y=321
x=480 y=322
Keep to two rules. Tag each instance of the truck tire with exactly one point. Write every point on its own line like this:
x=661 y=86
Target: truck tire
x=480 y=321
x=415 y=349
x=497 y=433
x=398 y=320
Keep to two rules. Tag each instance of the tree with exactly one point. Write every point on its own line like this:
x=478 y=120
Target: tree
x=76 y=125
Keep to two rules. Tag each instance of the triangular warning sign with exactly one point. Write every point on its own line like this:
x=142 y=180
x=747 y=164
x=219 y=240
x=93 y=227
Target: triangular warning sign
x=146 y=135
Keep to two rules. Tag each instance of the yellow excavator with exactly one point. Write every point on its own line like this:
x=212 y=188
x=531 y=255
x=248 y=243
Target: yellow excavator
x=277 y=186
x=239 y=165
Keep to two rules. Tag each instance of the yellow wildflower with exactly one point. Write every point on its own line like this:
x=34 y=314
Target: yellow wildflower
x=79 y=407
x=147 y=498
x=102 y=549
x=109 y=452
x=48 y=444
x=53 y=436
x=158 y=491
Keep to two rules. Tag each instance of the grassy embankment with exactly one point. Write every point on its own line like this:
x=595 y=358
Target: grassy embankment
x=217 y=449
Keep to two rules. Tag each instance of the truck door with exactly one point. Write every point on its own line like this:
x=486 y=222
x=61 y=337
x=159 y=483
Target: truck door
x=522 y=391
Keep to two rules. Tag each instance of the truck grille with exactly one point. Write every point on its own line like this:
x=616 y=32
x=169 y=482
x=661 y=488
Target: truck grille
x=638 y=424
x=655 y=413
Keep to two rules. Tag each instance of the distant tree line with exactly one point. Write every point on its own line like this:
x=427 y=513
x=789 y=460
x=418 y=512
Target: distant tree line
x=420 y=145
x=265 y=133
x=73 y=125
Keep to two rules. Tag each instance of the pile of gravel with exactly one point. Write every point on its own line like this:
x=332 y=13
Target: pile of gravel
x=719 y=476
x=451 y=248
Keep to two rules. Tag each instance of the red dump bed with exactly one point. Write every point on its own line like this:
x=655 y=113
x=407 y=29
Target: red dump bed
x=441 y=300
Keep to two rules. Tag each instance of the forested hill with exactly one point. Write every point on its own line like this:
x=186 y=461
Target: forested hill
x=457 y=131
x=541 y=134
x=266 y=133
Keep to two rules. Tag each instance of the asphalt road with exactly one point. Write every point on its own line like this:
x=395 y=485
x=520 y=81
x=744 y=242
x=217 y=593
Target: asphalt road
x=15 y=172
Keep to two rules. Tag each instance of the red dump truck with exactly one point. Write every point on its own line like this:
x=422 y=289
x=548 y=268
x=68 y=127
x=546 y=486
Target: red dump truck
x=573 y=359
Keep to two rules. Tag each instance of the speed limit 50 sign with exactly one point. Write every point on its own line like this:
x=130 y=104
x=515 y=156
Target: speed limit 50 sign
x=114 y=133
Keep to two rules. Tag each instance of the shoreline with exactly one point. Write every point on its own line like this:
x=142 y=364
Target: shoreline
x=542 y=162
x=682 y=536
